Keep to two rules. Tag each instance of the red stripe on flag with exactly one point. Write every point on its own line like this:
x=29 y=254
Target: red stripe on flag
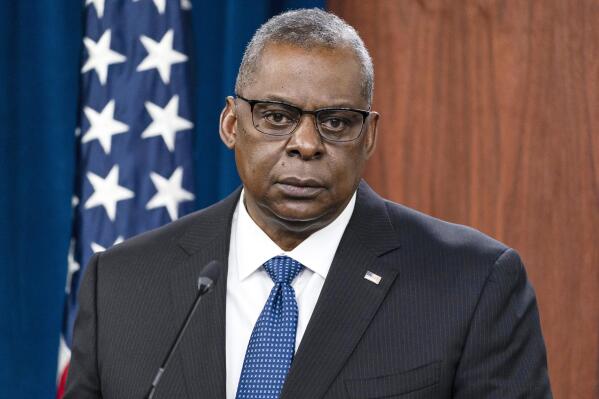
x=63 y=382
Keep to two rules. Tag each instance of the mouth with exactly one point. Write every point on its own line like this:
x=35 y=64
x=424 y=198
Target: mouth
x=299 y=188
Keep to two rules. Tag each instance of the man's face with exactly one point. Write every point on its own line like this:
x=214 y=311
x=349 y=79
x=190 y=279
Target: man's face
x=299 y=183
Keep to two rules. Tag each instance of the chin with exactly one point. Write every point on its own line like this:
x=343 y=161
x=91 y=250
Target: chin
x=300 y=220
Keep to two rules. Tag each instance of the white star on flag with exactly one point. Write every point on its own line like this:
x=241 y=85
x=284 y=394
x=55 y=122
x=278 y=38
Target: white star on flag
x=160 y=5
x=186 y=5
x=98 y=248
x=166 y=122
x=101 y=56
x=161 y=55
x=99 y=6
x=102 y=126
x=73 y=266
x=107 y=192
x=170 y=193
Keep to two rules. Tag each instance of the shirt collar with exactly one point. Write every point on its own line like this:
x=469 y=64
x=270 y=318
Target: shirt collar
x=316 y=252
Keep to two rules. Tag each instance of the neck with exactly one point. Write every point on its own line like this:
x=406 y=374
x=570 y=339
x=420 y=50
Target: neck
x=286 y=240
x=288 y=234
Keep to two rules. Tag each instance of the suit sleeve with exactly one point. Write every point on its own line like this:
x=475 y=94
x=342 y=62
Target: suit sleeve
x=83 y=381
x=504 y=353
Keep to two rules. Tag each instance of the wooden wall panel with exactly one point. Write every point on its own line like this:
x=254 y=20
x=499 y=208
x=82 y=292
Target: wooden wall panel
x=490 y=117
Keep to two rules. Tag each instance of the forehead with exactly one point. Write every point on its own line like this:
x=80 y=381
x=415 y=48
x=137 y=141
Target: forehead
x=309 y=78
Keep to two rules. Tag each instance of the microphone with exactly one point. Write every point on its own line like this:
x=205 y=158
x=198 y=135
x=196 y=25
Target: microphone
x=208 y=277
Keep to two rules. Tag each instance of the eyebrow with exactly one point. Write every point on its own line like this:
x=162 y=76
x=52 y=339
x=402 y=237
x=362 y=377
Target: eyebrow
x=287 y=101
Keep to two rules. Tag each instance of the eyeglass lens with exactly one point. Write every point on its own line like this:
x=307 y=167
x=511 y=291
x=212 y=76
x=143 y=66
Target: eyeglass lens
x=281 y=119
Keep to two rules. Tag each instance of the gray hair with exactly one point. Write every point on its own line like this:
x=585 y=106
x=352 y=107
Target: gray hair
x=306 y=28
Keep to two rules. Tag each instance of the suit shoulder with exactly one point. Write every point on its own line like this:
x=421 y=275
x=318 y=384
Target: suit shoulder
x=156 y=238
x=418 y=229
x=163 y=241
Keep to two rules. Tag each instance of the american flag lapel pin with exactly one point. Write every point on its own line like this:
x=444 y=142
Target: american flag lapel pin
x=372 y=277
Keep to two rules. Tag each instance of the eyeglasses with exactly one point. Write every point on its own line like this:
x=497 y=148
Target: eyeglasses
x=276 y=118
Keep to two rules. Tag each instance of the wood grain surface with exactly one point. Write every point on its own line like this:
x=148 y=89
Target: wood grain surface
x=490 y=117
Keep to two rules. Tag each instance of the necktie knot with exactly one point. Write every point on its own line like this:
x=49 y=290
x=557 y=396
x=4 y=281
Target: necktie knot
x=282 y=269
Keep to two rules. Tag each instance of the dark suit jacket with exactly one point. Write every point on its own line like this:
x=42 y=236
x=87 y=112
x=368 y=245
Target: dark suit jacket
x=453 y=316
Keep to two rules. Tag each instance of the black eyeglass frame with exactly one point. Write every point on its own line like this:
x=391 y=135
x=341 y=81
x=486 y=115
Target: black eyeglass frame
x=365 y=114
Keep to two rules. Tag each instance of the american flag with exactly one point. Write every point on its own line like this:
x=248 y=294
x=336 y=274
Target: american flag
x=135 y=137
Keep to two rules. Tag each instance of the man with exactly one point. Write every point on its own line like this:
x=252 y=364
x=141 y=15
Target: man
x=326 y=289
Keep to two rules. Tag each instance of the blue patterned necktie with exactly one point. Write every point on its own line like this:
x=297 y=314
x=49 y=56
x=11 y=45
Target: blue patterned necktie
x=272 y=344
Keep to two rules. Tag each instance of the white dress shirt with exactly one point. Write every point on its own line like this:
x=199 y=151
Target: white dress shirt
x=248 y=284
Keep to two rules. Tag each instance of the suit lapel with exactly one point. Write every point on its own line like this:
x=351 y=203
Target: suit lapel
x=348 y=301
x=202 y=350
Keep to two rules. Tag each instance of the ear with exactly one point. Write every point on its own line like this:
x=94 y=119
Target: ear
x=370 y=134
x=228 y=123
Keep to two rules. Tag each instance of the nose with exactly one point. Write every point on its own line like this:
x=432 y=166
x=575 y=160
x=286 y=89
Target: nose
x=305 y=142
